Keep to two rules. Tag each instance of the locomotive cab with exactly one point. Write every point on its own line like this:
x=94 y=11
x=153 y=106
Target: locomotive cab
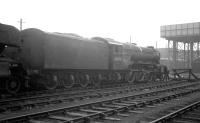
x=9 y=76
x=11 y=72
x=115 y=56
x=4 y=65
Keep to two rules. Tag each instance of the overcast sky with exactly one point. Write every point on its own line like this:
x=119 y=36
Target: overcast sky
x=117 y=19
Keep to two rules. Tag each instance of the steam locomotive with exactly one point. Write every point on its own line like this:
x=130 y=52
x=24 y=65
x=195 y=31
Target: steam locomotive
x=33 y=58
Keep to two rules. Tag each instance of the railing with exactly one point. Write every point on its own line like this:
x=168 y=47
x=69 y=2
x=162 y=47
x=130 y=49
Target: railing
x=184 y=74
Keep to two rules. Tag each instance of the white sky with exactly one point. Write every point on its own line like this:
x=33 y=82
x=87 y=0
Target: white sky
x=117 y=19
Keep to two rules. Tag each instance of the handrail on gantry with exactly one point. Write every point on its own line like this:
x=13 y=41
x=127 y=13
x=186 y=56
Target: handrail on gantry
x=177 y=73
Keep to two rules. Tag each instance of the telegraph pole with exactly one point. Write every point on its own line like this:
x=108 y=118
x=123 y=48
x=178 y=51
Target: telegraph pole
x=20 y=23
x=156 y=45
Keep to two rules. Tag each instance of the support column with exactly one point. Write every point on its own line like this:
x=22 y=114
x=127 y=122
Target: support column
x=191 y=54
x=174 y=54
x=197 y=49
x=169 y=54
x=184 y=60
x=188 y=56
x=177 y=54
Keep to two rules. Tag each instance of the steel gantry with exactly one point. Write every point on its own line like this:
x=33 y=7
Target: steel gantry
x=183 y=43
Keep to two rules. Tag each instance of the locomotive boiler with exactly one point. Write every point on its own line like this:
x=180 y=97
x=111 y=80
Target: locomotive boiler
x=54 y=60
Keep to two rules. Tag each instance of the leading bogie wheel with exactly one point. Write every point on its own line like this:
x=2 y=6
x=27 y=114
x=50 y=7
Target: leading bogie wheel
x=130 y=77
x=118 y=76
x=68 y=81
x=97 y=80
x=13 y=85
x=51 y=82
x=84 y=80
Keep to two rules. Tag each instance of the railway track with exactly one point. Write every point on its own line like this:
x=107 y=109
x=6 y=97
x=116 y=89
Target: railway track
x=28 y=103
x=100 y=108
x=188 y=114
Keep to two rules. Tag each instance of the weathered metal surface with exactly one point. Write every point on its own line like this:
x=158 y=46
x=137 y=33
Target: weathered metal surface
x=9 y=35
x=60 y=51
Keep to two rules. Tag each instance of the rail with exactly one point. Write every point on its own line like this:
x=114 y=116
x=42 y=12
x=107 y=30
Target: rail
x=114 y=107
x=177 y=113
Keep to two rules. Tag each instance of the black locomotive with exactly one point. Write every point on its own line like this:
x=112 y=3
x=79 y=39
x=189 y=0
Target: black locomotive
x=36 y=59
